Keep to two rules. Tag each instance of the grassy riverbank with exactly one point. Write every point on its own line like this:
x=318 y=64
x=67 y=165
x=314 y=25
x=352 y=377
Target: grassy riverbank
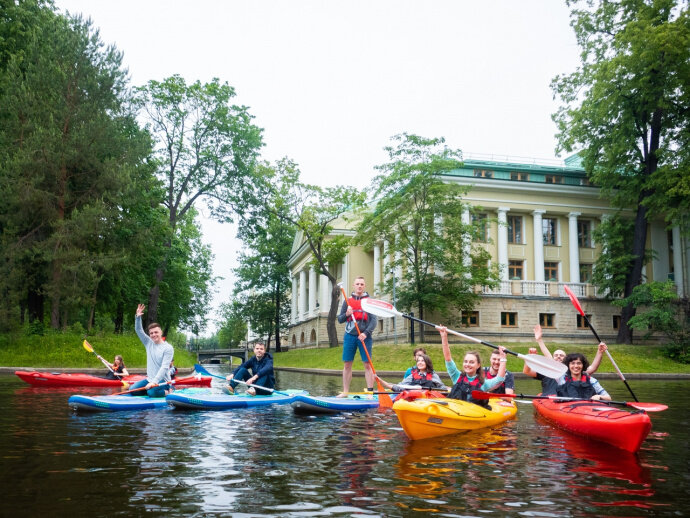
x=64 y=350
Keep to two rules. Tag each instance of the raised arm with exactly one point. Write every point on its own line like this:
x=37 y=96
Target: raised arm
x=444 y=342
x=597 y=358
x=538 y=337
x=526 y=369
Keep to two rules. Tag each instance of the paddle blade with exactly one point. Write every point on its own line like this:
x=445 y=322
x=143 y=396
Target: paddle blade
x=478 y=394
x=574 y=300
x=385 y=400
x=380 y=308
x=545 y=366
x=87 y=346
x=203 y=371
x=648 y=407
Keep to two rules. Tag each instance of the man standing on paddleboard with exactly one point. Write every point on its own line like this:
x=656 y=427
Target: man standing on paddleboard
x=359 y=325
x=159 y=355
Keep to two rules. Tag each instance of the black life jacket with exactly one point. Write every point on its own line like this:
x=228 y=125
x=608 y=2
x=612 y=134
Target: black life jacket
x=424 y=381
x=582 y=389
x=463 y=390
x=498 y=389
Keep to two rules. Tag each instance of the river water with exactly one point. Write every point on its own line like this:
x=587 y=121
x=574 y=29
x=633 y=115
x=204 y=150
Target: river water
x=270 y=462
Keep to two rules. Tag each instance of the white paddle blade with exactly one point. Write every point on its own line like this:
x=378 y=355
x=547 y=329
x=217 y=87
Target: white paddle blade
x=380 y=308
x=544 y=366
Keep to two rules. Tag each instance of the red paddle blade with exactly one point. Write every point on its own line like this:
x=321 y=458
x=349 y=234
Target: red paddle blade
x=478 y=394
x=574 y=300
x=648 y=407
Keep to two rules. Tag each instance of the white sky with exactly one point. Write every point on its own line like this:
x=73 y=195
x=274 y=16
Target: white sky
x=331 y=81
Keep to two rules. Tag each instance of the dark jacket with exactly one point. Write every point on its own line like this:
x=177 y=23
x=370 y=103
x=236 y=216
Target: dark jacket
x=260 y=368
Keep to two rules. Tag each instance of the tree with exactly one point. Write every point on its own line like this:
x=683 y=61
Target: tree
x=420 y=216
x=233 y=325
x=206 y=148
x=610 y=270
x=627 y=107
x=313 y=211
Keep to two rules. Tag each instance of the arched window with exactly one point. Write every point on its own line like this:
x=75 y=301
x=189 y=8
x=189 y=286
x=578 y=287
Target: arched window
x=312 y=338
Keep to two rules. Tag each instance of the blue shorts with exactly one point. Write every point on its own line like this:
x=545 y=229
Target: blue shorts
x=350 y=345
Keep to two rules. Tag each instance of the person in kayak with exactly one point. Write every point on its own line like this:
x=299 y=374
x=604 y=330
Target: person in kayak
x=159 y=354
x=472 y=376
x=505 y=387
x=173 y=370
x=577 y=383
x=118 y=369
x=354 y=317
x=422 y=375
x=416 y=351
x=549 y=386
x=261 y=367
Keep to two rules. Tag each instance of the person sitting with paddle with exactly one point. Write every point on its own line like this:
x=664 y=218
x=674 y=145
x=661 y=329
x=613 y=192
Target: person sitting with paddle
x=576 y=383
x=159 y=354
x=261 y=366
x=472 y=376
x=549 y=387
x=422 y=375
x=117 y=369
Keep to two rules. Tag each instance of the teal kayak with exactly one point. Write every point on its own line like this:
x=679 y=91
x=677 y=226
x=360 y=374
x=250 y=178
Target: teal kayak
x=306 y=404
x=79 y=402
x=229 y=401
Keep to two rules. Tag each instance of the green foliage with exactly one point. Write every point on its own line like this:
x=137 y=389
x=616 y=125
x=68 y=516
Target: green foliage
x=233 y=328
x=420 y=217
x=660 y=310
x=611 y=268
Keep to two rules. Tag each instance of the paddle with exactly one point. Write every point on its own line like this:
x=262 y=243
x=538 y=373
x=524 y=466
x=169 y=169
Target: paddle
x=171 y=383
x=89 y=348
x=203 y=371
x=579 y=309
x=545 y=366
x=384 y=400
x=648 y=407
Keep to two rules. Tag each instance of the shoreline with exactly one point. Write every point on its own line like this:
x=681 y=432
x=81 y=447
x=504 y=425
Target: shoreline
x=359 y=374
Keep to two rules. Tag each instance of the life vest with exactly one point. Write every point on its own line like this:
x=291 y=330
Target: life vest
x=463 y=390
x=582 y=389
x=357 y=312
x=498 y=389
x=423 y=380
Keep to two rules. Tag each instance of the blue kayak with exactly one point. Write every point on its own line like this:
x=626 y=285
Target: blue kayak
x=79 y=402
x=306 y=404
x=227 y=401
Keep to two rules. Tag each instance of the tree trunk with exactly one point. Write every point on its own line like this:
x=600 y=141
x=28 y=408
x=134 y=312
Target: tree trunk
x=421 y=326
x=332 y=313
x=35 y=305
x=119 y=317
x=55 y=299
x=277 y=322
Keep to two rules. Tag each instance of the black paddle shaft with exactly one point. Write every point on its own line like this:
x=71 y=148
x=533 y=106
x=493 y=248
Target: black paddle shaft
x=435 y=325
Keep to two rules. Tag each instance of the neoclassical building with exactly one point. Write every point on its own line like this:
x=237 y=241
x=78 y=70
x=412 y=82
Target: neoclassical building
x=540 y=219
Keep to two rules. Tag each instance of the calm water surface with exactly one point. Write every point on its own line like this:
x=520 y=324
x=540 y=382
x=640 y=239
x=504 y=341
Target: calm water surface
x=270 y=462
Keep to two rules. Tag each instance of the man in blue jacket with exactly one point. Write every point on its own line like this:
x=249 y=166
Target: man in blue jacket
x=261 y=366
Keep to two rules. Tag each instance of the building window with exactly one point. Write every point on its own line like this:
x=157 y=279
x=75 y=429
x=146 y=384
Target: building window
x=483 y=173
x=550 y=271
x=553 y=178
x=515 y=229
x=584 y=234
x=479 y=221
x=548 y=229
x=585 y=272
x=616 y=322
x=519 y=177
x=470 y=319
x=508 y=319
x=581 y=323
x=515 y=270
x=547 y=319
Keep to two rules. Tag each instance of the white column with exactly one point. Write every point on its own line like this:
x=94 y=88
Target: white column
x=324 y=294
x=302 y=294
x=660 y=261
x=386 y=259
x=377 y=269
x=678 y=261
x=293 y=308
x=573 y=247
x=502 y=243
x=467 y=245
x=345 y=279
x=312 y=291
x=538 y=246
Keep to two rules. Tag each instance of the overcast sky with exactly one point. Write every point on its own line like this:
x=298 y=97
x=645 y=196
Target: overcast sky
x=331 y=81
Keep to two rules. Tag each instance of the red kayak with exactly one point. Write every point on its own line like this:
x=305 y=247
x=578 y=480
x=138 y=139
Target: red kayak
x=64 y=379
x=596 y=420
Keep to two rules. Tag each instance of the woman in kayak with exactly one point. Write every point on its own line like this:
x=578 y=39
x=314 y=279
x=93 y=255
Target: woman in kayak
x=415 y=353
x=577 y=383
x=422 y=375
x=118 y=369
x=472 y=376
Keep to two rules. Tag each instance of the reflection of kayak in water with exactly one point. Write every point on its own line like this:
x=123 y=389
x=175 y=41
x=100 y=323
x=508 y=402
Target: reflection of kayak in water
x=425 y=418
x=79 y=402
x=595 y=457
x=306 y=404
x=617 y=427
x=228 y=401
x=66 y=379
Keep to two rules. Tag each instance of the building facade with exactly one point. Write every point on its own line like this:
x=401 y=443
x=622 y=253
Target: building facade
x=539 y=223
